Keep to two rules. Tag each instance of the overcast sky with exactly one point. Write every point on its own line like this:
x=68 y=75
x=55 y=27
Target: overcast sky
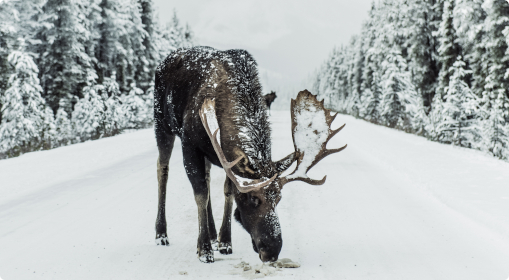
x=288 y=39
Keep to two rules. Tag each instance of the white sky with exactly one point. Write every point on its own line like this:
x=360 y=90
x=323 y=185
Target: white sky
x=288 y=39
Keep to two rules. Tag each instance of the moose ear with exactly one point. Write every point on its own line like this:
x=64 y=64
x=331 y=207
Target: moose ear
x=285 y=163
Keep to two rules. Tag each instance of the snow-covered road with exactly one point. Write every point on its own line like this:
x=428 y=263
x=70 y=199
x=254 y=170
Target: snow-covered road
x=395 y=206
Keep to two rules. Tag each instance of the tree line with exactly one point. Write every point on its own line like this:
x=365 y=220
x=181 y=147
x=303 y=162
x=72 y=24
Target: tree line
x=75 y=70
x=436 y=68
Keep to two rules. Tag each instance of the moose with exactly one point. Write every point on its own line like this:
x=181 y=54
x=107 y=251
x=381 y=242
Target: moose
x=269 y=98
x=212 y=101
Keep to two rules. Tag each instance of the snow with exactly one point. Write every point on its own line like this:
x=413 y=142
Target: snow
x=310 y=134
x=394 y=206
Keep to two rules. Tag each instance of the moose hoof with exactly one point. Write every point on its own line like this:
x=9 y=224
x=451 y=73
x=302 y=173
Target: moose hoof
x=162 y=239
x=214 y=245
x=225 y=248
x=206 y=257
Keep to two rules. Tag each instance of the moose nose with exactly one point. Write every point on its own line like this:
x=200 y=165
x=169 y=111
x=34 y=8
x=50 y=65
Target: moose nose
x=266 y=256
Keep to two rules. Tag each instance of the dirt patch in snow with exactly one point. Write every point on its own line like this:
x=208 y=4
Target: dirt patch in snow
x=264 y=269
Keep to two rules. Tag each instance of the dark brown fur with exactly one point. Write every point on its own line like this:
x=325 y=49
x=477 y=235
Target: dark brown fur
x=269 y=98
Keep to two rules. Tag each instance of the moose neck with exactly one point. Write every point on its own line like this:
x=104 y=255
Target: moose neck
x=244 y=124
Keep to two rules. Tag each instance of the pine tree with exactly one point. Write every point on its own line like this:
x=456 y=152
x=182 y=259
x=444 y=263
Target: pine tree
x=498 y=59
x=17 y=25
x=419 y=20
x=395 y=85
x=146 y=70
x=459 y=109
x=64 y=133
x=114 y=115
x=132 y=57
x=437 y=125
x=63 y=60
x=495 y=129
x=88 y=115
x=449 y=49
x=371 y=101
x=110 y=29
x=355 y=76
x=136 y=111
x=48 y=130
x=23 y=107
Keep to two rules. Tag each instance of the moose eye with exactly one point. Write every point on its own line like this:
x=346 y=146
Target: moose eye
x=255 y=201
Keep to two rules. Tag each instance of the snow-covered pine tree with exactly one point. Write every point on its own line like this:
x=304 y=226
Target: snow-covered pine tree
x=355 y=76
x=114 y=114
x=132 y=57
x=109 y=34
x=136 y=111
x=371 y=101
x=449 y=49
x=22 y=107
x=64 y=133
x=146 y=70
x=395 y=85
x=175 y=36
x=418 y=25
x=460 y=123
x=333 y=80
x=48 y=130
x=498 y=57
x=495 y=131
x=88 y=116
x=468 y=18
x=17 y=24
x=63 y=60
x=7 y=40
x=495 y=65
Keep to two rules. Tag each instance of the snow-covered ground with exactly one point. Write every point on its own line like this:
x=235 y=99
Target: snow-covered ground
x=395 y=206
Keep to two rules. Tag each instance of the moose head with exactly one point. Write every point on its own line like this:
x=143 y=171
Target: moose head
x=257 y=199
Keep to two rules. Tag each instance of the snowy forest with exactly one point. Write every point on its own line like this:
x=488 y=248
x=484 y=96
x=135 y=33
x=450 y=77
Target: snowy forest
x=76 y=70
x=436 y=68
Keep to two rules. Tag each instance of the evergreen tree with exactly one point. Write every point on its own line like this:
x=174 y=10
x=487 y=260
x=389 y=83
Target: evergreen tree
x=395 y=84
x=17 y=25
x=498 y=59
x=132 y=58
x=175 y=36
x=23 y=107
x=63 y=60
x=469 y=17
x=136 y=111
x=64 y=133
x=419 y=24
x=48 y=130
x=371 y=101
x=437 y=125
x=146 y=70
x=449 y=49
x=495 y=132
x=88 y=115
x=114 y=120
x=459 y=109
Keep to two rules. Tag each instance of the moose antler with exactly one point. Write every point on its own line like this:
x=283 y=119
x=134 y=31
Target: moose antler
x=209 y=120
x=310 y=132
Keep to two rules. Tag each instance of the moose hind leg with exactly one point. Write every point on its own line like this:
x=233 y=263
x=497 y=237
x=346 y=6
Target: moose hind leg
x=225 y=234
x=194 y=163
x=165 y=144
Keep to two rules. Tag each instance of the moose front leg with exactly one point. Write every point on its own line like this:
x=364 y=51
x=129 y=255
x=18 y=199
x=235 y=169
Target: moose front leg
x=225 y=234
x=211 y=224
x=194 y=163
